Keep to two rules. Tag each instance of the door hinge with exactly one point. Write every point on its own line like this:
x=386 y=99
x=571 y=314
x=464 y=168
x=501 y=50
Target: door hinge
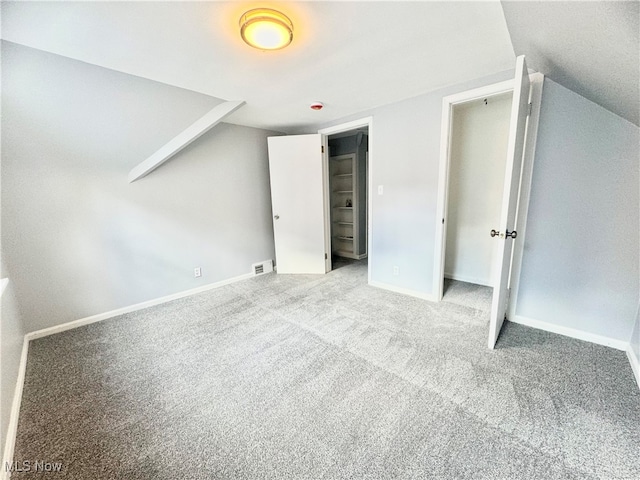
x=322 y=147
x=530 y=109
x=325 y=256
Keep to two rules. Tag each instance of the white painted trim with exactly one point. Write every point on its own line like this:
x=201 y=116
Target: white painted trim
x=12 y=428
x=3 y=285
x=486 y=91
x=537 y=84
x=132 y=308
x=635 y=364
x=571 y=332
x=464 y=278
x=404 y=291
x=326 y=194
x=345 y=127
x=443 y=171
x=184 y=138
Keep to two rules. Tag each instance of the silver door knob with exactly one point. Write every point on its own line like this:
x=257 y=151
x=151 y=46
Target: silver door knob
x=276 y=217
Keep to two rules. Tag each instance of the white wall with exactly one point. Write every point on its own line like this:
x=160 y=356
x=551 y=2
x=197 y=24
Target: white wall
x=11 y=341
x=580 y=264
x=480 y=133
x=78 y=239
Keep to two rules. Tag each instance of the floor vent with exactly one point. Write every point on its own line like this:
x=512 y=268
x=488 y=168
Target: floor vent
x=262 y=267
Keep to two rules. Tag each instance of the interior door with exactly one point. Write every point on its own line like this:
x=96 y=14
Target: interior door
x=297 y=202
x=506 y=234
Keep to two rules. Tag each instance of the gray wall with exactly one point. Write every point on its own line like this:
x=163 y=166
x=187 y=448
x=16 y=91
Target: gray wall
x=342 y=145
x=78 y=239
x=404 y=154
x=635 y=336
x=11 y=340
x=580 y=266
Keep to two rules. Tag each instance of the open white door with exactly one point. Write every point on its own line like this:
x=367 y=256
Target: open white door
x=506 y=234
x=297 y=201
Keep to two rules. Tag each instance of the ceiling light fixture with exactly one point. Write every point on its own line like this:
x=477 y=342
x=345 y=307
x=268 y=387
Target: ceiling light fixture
x=266 y=29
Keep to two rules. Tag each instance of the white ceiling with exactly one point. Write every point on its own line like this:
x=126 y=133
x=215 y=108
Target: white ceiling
x=350 y=55
x=592 y=48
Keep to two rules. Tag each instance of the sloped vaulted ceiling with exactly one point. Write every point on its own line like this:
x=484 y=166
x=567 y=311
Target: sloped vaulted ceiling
x=350 y=55
x=592 y=48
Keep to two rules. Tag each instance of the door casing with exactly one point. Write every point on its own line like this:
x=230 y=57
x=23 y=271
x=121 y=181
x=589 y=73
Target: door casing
x=448 y=103
x=325 y=132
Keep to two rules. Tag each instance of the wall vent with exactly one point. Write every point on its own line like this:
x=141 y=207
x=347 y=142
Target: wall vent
x=262 y=267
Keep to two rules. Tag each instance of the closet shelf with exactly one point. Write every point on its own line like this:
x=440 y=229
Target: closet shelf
x=345 y=192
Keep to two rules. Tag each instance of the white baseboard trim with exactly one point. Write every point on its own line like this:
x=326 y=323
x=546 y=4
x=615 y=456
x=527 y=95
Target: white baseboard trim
x=571 y=332
x=462 y=278
x=404 y=291
x=12 y=428
x=635 y=364
x=132 y=308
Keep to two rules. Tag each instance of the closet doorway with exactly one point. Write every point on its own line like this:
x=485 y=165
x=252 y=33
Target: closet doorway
x=464 y=214
x=347 y=193
x=478 y=152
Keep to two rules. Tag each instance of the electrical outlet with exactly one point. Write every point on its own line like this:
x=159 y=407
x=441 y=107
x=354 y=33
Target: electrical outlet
x=197 y=272
x=396 y=271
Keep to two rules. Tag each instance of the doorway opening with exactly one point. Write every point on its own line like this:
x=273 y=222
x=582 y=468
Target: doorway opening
x=348 y=187
x=347 y=219
x=477 y=158
x=526 y=94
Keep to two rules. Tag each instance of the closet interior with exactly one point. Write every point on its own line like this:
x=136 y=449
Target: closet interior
x=480 y=132
x=348 y=172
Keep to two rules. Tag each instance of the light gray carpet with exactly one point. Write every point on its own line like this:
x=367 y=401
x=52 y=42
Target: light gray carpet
x=324 y=377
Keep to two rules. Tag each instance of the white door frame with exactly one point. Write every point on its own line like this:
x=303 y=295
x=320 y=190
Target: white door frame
x=448 y=103
x=325 y=132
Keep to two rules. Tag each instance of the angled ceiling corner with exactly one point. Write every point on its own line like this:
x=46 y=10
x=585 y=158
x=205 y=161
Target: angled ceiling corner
x=591 y=48
x=184 y=138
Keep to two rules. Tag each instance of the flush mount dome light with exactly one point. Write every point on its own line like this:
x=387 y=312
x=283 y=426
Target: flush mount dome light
x=266 y=29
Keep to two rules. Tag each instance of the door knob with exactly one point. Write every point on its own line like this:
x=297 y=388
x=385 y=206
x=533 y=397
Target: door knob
x=495 y=233
x=276 y=217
